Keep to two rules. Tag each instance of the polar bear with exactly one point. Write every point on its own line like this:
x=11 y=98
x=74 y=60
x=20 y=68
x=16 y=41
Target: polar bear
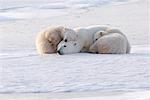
x=114 y=43
x=121 y=44
x=48 y=39
x=83 y=38
x=109 y=31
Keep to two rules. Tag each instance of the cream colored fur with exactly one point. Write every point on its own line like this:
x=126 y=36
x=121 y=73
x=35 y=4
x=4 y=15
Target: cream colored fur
x=48 y=39
x=114 y=43
x=110 y=31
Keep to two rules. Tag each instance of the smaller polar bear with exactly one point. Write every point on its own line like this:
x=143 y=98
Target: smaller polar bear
x=110 y=41
x=81 y=42
x=48 y=39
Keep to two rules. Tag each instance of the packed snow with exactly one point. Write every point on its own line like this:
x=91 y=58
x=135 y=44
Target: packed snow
x=25 y=71
x=29 y=9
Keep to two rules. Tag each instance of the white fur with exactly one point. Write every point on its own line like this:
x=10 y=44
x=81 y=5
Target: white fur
x=83 y=36
x=48 y=39
x=114 y=43
x=109 y=31
x=112 y=39
x=71 y=47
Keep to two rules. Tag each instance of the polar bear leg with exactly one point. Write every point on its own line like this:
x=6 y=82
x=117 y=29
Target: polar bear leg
x=93 y=48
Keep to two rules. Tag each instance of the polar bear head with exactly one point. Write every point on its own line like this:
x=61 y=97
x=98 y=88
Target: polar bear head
x=68 y=47
x=106 y=32
x=99 y=34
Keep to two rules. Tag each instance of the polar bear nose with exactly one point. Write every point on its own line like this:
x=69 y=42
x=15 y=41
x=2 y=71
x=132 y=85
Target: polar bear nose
x=59 y=52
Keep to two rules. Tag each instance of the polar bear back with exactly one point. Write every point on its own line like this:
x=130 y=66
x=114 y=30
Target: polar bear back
x=113 y=43
x=86 y=34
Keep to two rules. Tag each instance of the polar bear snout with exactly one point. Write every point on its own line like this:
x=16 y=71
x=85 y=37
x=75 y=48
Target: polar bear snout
x=68 y=47
x=61 y=49
x=59 y=52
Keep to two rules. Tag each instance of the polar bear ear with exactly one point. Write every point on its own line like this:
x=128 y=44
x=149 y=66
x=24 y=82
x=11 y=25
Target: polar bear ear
x=65 y=29
x=60 y=29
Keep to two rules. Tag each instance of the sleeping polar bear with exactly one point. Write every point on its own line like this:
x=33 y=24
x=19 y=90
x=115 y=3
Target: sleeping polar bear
x=101 y=45
x=83 y=39
x=48 y=39
x=80 y=44
x=114 y=43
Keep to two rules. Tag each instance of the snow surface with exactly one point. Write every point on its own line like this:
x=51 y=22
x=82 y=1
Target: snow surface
x=28 y=72
x=29 y=9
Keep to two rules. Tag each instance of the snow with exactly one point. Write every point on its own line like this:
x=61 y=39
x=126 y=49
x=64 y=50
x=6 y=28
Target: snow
x=29 y=9
x=126 y=96
x=28 y=72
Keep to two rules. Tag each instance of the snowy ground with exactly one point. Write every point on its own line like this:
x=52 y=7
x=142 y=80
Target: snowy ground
x=72 y=73
x=23 y=70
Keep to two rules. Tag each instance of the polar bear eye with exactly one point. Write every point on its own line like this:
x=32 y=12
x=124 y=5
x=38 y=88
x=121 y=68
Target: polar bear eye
x=65 y=40
x=96 y=39
x=65 y=46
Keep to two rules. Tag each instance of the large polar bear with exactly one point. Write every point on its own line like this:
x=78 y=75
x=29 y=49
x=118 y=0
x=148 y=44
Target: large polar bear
x=48 y=39
x=83 y=39
x=86 y=38
x=110 y=41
